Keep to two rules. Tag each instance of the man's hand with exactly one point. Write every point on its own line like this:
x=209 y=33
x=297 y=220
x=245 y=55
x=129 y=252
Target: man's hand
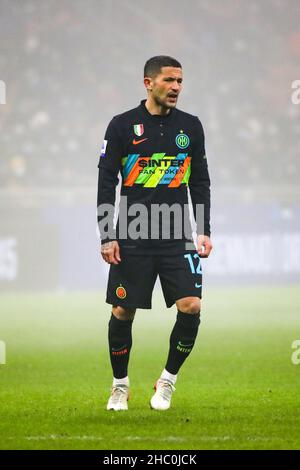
x=204 y=241
x=110 y=252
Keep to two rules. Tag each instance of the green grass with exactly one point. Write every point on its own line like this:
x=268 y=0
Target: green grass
x=238 y=389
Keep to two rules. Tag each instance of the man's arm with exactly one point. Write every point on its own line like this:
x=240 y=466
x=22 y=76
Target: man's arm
x=199 y=184
x=109 y=167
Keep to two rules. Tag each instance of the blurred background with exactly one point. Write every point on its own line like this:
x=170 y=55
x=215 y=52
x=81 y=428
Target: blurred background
x=69 y=66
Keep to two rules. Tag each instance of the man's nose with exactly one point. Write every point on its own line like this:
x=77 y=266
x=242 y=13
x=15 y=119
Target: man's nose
x=176 y=86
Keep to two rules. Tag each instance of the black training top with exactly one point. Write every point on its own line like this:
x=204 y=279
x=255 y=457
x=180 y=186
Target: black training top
x=158 y=158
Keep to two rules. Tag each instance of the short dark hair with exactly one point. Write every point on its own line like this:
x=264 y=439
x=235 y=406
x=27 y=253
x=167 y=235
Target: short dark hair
x=153 y=66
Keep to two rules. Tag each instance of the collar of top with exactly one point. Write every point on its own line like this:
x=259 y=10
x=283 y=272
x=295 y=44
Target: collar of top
x=156 y=117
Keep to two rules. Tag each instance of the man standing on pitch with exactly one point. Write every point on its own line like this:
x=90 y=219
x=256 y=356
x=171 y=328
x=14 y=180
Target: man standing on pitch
x=159 y=152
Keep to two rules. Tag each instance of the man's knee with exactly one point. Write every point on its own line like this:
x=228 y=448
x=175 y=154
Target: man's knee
x=189 y=305
x=123 y=313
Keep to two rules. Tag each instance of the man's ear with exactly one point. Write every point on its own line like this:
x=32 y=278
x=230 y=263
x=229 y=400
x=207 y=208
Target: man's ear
x=148 y=83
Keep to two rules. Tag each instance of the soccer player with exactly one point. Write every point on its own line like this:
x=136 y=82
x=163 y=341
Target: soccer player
x=159 y=152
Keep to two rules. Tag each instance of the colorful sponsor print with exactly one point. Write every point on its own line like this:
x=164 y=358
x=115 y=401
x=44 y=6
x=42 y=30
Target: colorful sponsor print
x=157 y=169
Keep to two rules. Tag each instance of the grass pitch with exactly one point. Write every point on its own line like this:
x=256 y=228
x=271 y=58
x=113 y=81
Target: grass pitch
x=237 y=390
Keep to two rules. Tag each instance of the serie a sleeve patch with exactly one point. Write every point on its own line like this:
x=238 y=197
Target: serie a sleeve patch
x=103 y=148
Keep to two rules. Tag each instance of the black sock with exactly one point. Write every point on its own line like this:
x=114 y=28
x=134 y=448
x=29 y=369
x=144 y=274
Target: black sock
x=120 y=342
x=182 y=340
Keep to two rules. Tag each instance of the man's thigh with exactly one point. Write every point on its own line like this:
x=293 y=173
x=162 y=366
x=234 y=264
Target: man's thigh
x=131 y=282
x=180 y=276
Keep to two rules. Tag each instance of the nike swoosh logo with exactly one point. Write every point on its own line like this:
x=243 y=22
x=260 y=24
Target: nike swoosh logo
x=184 y=345
x=198 y=285
x=119 y=349
x=136 y=142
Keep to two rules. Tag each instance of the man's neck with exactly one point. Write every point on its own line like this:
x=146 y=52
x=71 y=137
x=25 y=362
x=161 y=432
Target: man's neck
x=155 y=108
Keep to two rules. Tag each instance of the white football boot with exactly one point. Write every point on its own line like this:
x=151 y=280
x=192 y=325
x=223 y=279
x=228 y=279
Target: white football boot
x=161 y=400
x=119 y=398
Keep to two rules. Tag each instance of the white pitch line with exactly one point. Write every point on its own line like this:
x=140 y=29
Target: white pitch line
x=57 y=437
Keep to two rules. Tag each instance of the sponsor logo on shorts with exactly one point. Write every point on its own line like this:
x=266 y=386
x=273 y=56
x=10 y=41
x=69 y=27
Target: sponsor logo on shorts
x=121 y=292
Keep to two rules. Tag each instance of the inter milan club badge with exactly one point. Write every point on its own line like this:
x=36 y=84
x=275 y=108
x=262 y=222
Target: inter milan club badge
x=121 y=292
x=138 y=129
x=182 y=140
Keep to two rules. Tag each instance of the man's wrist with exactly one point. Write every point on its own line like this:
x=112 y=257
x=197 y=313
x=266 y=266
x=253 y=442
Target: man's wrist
x=107 y=240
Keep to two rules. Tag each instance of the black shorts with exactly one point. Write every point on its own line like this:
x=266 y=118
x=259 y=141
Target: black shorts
x=131 y=282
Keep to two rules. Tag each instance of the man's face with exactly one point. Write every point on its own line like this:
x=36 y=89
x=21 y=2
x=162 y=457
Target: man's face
x=166 y=86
